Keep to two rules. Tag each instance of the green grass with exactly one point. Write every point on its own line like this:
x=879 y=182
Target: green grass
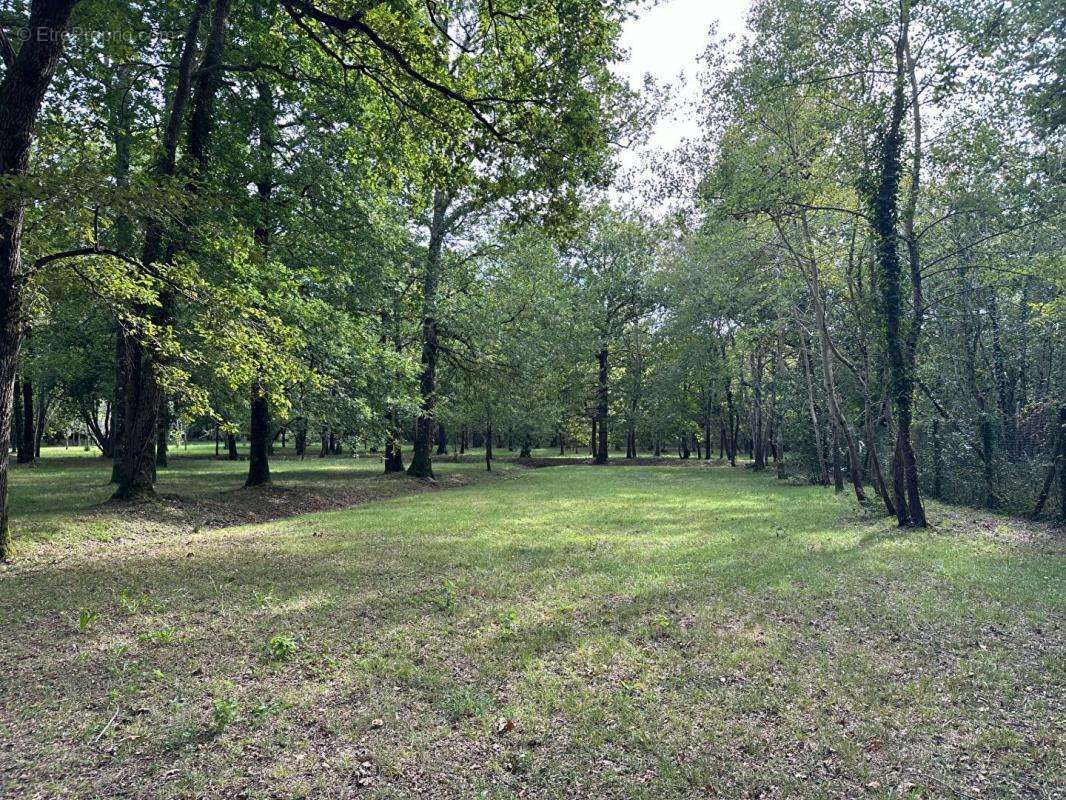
x=566 y=632
x=60 y=500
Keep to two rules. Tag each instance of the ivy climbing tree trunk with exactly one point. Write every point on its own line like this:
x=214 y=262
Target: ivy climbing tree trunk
x=899 y=343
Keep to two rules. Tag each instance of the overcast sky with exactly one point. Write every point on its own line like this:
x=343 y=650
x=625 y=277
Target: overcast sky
x=667 y=41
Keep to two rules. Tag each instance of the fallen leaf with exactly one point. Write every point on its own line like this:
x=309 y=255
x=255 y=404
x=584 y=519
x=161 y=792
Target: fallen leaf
x=504 y=725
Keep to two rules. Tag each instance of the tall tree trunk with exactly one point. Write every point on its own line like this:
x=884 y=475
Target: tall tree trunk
x=42 y=419
x=393 y=444
x=900 y=344
x=488 y=446
x=834 y=443
x=812 y=407
x=119 y=404
x=875 y=462
x=25 y=455
x=16 y=423
x=258 y=439
x=301 y=438
x=421 y=459
x=231 y=447
x=601 y=406
x=22 y=92
x=136 y=469
x=758 y=440
x=442 y=440
x=163 y=441
x=731 y=442
x=121 y=118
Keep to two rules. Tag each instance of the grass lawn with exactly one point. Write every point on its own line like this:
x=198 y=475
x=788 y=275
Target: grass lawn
x=565 y=632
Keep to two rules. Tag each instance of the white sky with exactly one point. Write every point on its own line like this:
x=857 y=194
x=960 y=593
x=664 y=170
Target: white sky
x=667 y=41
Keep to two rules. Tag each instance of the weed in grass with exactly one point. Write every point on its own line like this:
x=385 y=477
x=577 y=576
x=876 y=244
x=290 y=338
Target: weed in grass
x=281 y=648
x=86 y=619
x=160 y=636
x=264 y=709
x=447 y=596
x=507 y=620
x=128 y=601
x=223 y=711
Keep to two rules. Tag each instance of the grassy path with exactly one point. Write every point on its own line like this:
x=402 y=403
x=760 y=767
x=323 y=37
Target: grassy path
x=568 y=632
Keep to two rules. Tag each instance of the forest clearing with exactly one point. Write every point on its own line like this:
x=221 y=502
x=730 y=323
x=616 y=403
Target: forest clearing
x=532 y=399
x=640 y=632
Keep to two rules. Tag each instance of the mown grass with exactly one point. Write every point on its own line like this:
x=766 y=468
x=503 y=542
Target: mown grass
x=61 y=499
x=566 y=632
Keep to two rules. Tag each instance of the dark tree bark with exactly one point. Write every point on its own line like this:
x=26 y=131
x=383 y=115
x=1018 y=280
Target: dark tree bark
x=601 y=406
x=875 y=462
x=258 y=438
x=1058 y=464
x=118 y=406
x=42 y=418
x=231 y=448
x=393 y=450
x=104 y=437
x=488 y=447
x=731 y=442
x=421 y=458
x=758 y=439
x=25 y=452
x=16 y=422
x=527 y=445
x=136 y=468
x=22 y=92
x=163 y=441
x=442 y=441
x=899 y=343
x=301 y=438
x=838 y=473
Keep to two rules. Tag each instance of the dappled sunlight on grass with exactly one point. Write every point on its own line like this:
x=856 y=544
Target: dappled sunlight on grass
x=641 y=632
